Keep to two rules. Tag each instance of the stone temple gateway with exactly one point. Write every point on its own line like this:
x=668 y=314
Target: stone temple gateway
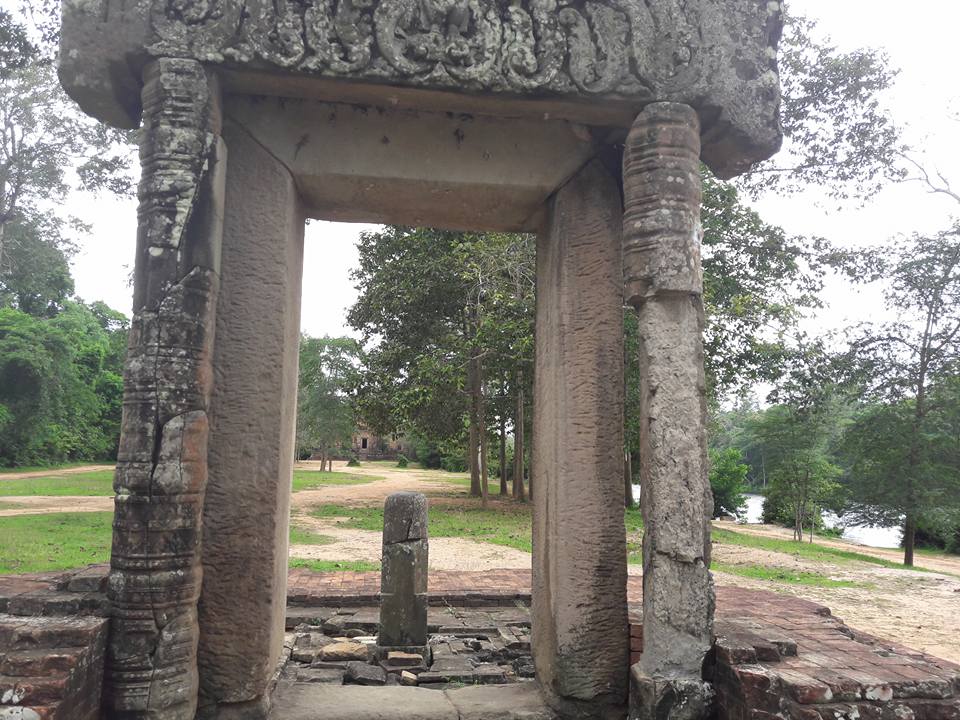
x=581 y=120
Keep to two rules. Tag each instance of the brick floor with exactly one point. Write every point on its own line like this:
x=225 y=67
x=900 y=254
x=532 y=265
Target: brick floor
x=775 y=655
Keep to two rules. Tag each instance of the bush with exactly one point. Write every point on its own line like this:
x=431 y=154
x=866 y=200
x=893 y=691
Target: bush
x=353 y=460
x=940 y=529
x=402 y=461
x=454 y=463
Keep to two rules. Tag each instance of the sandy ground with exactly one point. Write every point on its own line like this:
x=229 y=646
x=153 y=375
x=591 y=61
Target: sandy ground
x=919 y=609
x=53 y=473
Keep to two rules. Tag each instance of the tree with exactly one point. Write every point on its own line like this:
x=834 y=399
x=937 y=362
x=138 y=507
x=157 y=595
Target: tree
x=325 y=417
x=837 y=136
x=60 y=384
x=801 y=475
x=448 y=317
x=728 y=480
x=908 y=366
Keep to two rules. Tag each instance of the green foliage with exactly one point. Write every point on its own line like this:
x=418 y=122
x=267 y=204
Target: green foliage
x=728 y=480
x=56 y=541
x=353 y=461
x=837 y=135
x=60 y=384
x=402 y=461
x=796 y=443
x=325 y=419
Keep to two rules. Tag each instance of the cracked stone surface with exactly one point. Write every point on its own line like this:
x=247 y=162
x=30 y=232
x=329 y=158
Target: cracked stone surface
x=664 y=284
x=403 y=584
x=162 y=464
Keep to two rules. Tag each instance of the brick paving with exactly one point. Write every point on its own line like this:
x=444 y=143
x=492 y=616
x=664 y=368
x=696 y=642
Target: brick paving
x=775 y=655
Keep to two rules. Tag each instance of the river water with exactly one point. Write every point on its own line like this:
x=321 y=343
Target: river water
x=879 y=537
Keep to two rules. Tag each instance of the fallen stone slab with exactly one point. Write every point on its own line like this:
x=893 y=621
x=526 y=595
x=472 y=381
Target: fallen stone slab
x=312 y=701
x=359 y=673
x=519 y=701
x=344 y=651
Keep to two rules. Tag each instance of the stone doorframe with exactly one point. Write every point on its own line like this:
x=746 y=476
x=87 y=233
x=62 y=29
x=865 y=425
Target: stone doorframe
x=585 y=124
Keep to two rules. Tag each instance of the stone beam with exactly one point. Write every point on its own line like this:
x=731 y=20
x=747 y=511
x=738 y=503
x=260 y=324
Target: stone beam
x=155 y=574
x=663 y=281
x=355 y=163
x=593 y=61
x=580 y=633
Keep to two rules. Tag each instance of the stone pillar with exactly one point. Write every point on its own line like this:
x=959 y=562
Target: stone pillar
x=253 y=420
x=403 y=579
x=580 y=633
x=664 y=283
x=151 y=665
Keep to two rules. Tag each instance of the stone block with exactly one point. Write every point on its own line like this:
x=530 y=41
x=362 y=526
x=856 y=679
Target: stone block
x=668 y=698
x=359 y=673
x=344 y=651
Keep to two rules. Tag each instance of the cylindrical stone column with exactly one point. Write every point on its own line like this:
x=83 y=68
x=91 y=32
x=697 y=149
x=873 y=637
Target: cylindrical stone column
x=663 y=281
x=403 y=582
x=151 y=667
x=580 y=635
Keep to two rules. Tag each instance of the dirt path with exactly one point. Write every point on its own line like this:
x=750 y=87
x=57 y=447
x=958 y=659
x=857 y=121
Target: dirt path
x=41 y=504
x=53 y=473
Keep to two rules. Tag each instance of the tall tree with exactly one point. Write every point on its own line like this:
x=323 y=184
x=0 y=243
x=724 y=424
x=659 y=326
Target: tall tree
x=901 y=364
x=325 y=417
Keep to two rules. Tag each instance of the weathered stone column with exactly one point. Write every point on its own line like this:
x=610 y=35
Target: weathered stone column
x=403 y=584
x=663 y=281
x=253 y=418
x=580 y=643
x=161 y=474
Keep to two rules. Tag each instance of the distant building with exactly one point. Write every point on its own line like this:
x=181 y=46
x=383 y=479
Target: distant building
x=367 y=445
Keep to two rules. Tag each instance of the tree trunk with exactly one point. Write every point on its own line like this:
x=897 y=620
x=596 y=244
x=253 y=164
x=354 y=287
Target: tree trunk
x=503 y=455
x=627 y=480
x=518 y=491
x=482 y=430
x=474 y=442
x=909 y=539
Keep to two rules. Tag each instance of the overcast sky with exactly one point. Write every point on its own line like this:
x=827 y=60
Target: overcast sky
x=920 y=39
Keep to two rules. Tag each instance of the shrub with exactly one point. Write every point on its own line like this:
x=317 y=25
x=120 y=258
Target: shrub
x=402 y=461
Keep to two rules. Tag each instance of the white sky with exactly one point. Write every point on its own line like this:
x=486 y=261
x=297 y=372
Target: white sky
x=921 y=41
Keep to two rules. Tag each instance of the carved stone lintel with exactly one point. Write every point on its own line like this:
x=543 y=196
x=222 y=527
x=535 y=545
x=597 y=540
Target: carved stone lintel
x=162 y=465
x=663 y=282
x=594 y=61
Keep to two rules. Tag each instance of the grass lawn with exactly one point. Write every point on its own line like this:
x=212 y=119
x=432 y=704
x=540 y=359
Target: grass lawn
x=310 y=479
x=58 y=541
x=93 y=483
x=335 y=565
x=782 y=575
x=505 y=523
x=302 y=536
x=806 y=550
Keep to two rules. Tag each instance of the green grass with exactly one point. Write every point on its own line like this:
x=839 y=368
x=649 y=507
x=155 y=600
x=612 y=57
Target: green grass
x=61 y=466
x=782 y=575
x=334 y=565
x=457 y=479
x=805 y=550
x=310 y=479
x=58 y=541
x=93 y=483
x=302 y=536
x=506 y=524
